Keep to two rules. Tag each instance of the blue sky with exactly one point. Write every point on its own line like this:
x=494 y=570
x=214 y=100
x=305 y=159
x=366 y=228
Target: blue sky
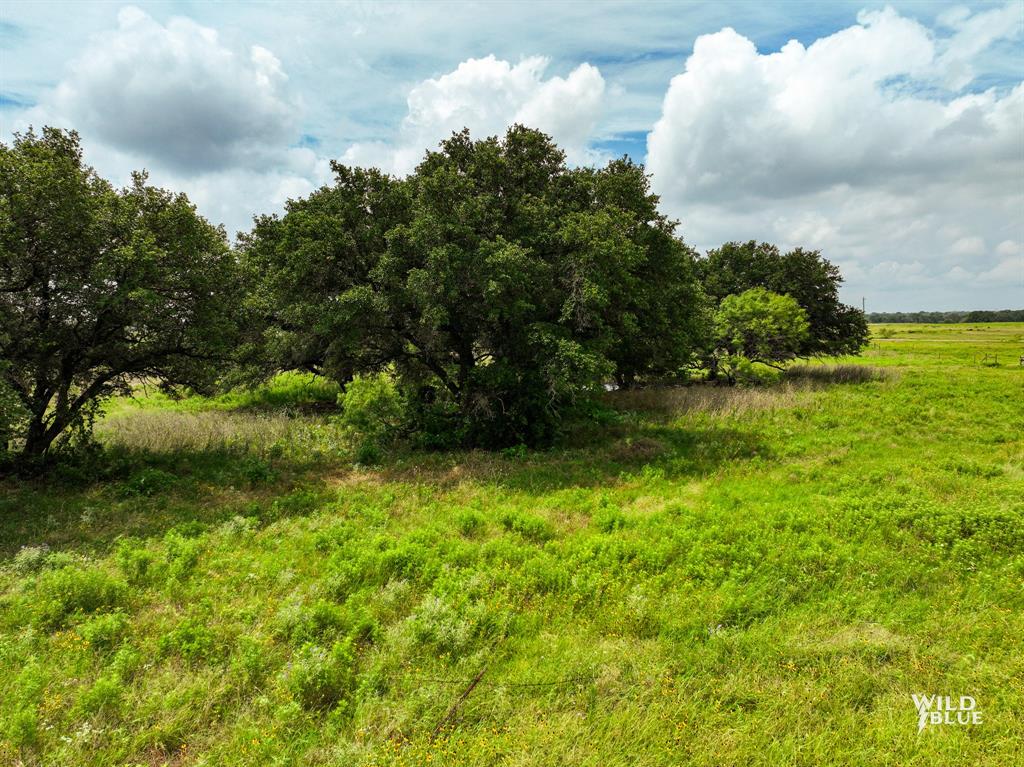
x=890 y=136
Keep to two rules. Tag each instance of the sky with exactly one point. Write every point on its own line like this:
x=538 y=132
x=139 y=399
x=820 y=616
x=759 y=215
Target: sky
x=888 y=136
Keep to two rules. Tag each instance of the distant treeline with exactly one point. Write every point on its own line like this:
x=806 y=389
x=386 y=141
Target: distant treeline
x=991 y=315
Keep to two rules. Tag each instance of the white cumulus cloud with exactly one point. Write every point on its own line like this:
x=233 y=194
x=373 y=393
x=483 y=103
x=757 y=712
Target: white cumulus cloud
x=216 y=121
x=863 y=144
x=487 y=95
x=175 y=94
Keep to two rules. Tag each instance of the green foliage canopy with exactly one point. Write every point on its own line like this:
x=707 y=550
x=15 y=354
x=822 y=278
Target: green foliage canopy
x=835 y=328
x=100 y=286
x=759 y=326
x=496 y=283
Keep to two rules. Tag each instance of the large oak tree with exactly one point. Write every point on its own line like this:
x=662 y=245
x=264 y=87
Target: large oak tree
x=100 y=287
x=497 y=283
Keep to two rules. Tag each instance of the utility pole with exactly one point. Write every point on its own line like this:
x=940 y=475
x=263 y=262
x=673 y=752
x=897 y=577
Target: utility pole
x=863 y=304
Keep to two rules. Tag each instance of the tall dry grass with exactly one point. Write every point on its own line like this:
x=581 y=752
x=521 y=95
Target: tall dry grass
x=795 y=388
x=717 y=400
x=826 y=375
x=163 y=431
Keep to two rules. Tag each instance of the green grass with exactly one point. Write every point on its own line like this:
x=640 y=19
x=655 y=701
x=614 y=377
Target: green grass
x=289 y=392
x=748 y=577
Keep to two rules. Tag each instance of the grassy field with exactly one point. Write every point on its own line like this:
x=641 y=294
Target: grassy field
x=714 y=577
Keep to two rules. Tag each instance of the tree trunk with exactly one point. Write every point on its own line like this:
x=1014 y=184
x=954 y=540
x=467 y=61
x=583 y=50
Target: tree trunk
x=37 y=439
x=41 y=435
x=713 y=369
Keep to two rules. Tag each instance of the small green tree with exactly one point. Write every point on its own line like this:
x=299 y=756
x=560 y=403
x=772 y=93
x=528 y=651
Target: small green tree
x=373 y=412
x=834 y=328
x=758 y=326
x=100 y=286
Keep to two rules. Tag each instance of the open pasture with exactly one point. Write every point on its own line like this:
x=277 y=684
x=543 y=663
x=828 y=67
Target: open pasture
x=712 y=576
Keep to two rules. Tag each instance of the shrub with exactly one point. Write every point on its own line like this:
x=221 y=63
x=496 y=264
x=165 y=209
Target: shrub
x=191 y=528
x=455 y=625
x=368 y=453
x=61 y=594
x=238 y=526
x=515 y=452
x=255 y=470
x=135 y=560
x=126 y=661
x=531 y=527
x=55 y=560
x=319 y=678
x=363 y=628
x=373 y=412
x=192 y=639
x=23 y=727
x=412 y=559
x=296 y=503
x=250 y=662
x=105 y=695
x=31 y=680
x=29 y=559
x=302 y=625
x=442 y=626
x=470 y=523
x=610 y=519
x=182 y=555
x=104 y=632
x=146 y=483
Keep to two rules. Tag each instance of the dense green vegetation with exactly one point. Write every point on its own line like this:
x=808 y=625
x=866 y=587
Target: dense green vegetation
x=99 y=287
x=757 y=326
x=498 y=286
x=805 y=275
x=485 y=300
x=714 y=575
x=244 y=525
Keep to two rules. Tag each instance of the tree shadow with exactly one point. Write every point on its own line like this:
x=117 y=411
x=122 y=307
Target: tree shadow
x=87 y=506
x=631 y=453
x=87 y=503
